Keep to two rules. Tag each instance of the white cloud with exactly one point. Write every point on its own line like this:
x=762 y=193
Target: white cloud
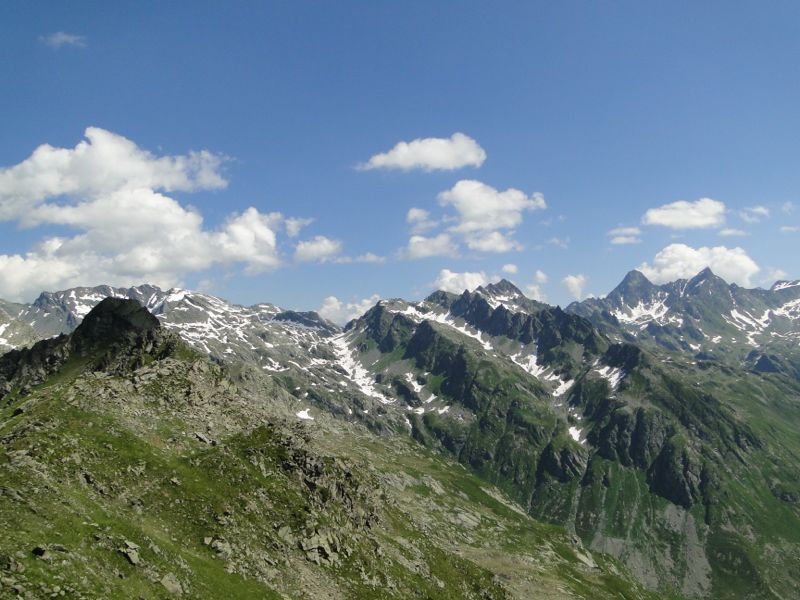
x=369 y=257
x=535 y=292
x=454 y=282
x=754 y=214
x=625 y=235
x=510 y=268
x=787 y=207
x=430 y=154
x=125 y=230
x=60 y=38
x=423 y=247
x=493 y=241
x=730 y=232
x=482 y=208
x=294 y=225
x=789 y=229
x=250 y=238
x=562 y=243
x=103 y=163
x=340 y=312
x=772 y=275
x=679 y=261
x=485 y=220
x=420 y=220
x=619 y=240
x=317 y=249
x=700 y=214
x=575 y=285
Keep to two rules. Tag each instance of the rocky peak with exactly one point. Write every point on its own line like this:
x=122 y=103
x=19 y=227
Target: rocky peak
x=113 y=321
x=785 y=285
x=115 y=336
x=632 y=289
x=706 y=281
x=502 y=288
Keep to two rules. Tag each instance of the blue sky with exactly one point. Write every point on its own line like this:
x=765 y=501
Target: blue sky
x=600 y=111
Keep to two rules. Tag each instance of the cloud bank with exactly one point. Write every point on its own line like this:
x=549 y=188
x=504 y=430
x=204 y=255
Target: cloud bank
x=107 y=199
x=679 y=261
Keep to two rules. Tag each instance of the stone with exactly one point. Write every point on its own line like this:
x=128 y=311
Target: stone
x=171 y=584
x=222 y=547
x=131 y=554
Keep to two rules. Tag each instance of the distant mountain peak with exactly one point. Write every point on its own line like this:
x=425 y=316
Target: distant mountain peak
x=502 y=287
x=705 y=275
x=635 y=276
x=633 y=287
x=784 y=284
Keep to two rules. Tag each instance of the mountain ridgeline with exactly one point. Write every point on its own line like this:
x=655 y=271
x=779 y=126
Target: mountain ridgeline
x=648 y=439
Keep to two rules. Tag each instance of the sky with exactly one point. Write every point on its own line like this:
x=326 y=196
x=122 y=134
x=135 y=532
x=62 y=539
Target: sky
x=321 y=156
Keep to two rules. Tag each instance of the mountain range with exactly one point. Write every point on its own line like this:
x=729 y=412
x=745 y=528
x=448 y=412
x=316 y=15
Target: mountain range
x=640 y=444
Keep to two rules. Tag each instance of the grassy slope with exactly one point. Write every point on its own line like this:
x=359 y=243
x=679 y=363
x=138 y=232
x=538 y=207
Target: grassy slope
x=94 y=463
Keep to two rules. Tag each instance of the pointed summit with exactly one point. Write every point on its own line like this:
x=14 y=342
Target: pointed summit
x=633 y=288
x=635 y=277
x=706 y=279
x=502 y=288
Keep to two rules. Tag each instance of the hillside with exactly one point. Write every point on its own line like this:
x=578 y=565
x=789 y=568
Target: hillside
x=133 y=467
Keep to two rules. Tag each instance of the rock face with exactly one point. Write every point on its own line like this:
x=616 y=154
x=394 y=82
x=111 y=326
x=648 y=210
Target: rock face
x=119 y=334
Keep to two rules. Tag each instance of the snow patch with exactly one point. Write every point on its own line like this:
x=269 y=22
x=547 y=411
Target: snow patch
x=355 y=371
x=613 y=375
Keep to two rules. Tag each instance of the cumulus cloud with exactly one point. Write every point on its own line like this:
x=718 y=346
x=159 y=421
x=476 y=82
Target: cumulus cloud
x=679 y=261
x=625 y=235
x=341 y=312
x=420 y=220
x=485 y=220
x=480 y=207
x=122 y=228
x=451 y=281
x=575 y=285
x=754 y=214
x=420 y=246
x=294 y=225
x=317 y=249
x=510 y=269
x=60 y=38
x=700 y=214
x=730 y=232
x=430 y=154
x=787 y=207
x=772 y=275
x=789 y=229
x=101 y=164
x=535 y=292
x=493 y=241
